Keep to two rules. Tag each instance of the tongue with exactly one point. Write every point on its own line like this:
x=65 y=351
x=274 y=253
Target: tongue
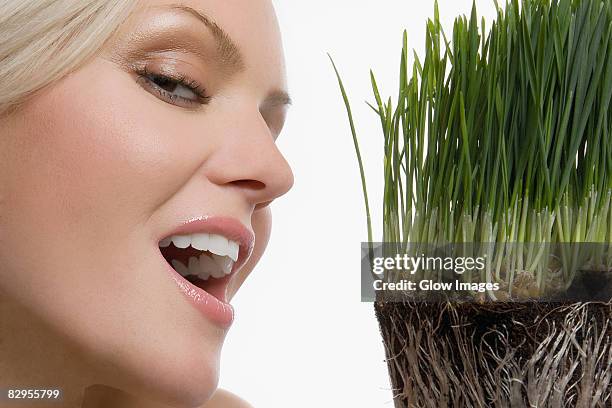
x=215 y=287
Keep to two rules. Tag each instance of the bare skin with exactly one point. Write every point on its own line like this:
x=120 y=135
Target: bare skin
x=225 y=399
x=97 y=166
x=102 y=396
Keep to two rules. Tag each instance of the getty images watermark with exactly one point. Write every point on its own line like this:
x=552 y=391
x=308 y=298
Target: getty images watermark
x=486 y=271
x=406 y=264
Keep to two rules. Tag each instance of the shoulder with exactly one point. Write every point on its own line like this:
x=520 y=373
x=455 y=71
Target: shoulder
x=225 y=399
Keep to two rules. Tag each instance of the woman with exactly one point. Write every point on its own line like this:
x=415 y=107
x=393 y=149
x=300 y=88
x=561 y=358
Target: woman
x=137 y=165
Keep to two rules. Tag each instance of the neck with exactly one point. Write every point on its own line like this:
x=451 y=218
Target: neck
x=100 y=396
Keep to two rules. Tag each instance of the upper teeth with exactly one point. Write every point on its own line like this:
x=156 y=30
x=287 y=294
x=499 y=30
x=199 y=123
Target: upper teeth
x=217 y=244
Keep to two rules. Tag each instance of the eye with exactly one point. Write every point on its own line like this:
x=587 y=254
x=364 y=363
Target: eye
x=180 y=91
x=173 y=87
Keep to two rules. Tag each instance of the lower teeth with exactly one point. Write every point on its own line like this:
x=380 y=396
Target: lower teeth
x=212 y=269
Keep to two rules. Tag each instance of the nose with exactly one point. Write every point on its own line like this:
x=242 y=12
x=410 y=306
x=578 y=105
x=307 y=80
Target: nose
x=249 y=160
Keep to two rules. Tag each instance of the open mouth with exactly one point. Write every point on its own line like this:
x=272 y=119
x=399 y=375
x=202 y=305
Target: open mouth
x=205 y=260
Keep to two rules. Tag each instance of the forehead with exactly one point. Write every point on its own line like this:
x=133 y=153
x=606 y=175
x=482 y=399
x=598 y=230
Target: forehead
x=251 y=25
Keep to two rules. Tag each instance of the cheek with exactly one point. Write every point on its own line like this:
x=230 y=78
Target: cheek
x=100 y=155
x=94 y=149
x=78 y=184
x=83 y=167
x=262 y=227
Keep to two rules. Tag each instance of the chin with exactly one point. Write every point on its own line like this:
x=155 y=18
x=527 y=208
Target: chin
x=180 y=370
x=181 y=381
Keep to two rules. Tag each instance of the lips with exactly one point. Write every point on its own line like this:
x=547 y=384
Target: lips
x=202 y=255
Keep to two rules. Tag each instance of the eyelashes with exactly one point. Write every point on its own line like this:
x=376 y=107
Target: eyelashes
x=178 y=90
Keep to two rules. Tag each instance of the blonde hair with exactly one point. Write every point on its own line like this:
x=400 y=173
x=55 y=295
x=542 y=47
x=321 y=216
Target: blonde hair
x=41 y=41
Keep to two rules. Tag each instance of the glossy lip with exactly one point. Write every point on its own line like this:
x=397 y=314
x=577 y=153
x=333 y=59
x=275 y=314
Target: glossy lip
x=219 y=311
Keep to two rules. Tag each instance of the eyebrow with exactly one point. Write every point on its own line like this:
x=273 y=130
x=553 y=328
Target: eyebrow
x=278 y=98
x=229 y=52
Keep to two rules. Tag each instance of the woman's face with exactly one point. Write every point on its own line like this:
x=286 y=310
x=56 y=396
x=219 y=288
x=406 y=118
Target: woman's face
x=174 y=121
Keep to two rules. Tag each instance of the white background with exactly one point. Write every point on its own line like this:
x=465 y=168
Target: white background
x=302 y=338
